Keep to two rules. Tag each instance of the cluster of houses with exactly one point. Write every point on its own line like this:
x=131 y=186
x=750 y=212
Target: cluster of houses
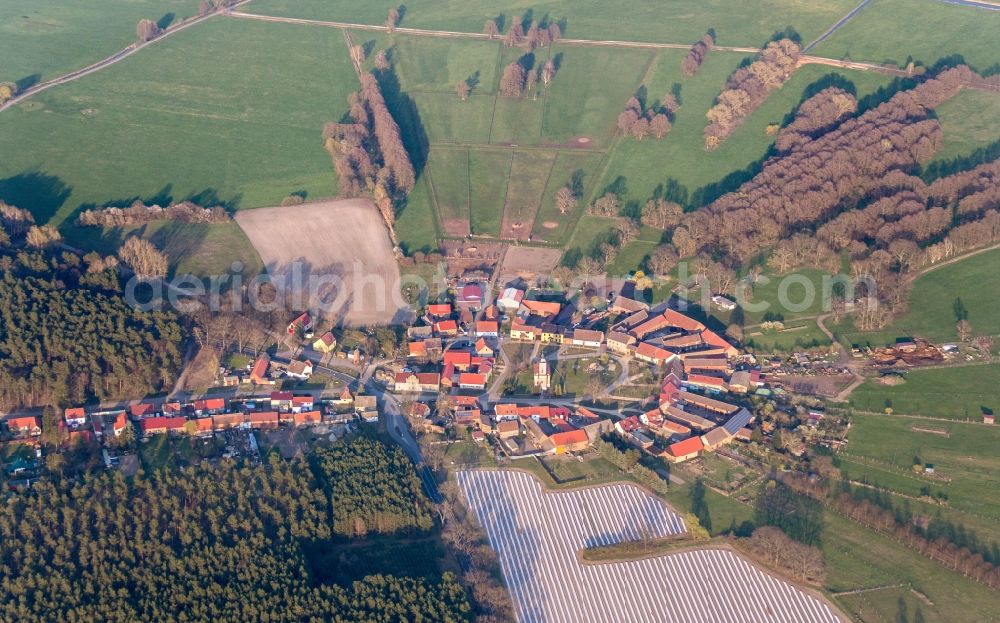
x=203 y=417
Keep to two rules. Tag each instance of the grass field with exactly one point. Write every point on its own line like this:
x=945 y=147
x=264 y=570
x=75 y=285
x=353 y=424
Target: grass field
x=431 y=64
x=450 y=179
x=489 y=171
x=529 y=174
x=858 y=558
x=42 y=39
x=416 y=223
x=678 y=163
x=191 y=248
x=243 y=129
x=931 y=309
x=925 y=31
x=957 y=392
x=550 y=224
x=681 y=21
x=961 y=120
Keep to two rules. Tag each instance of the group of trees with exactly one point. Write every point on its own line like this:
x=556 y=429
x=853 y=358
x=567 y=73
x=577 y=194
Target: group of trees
x=142 y=256
x=68 y=336
x=748 y=87
x=519 y=77
x=655 y=120
x=368 y=153
x=697 y=54
x=864 y=158
x=223 y=543
x=803 y=562
x=372 y=489
x=538 y=35
x=18 y=227
x=816 y=115
x=138 y=213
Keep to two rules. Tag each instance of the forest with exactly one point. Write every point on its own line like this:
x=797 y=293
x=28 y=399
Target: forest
x=221 y=543
x=66 y=333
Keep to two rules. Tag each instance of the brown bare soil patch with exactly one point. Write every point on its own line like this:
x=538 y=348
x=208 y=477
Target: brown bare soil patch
x=332 y=257
x=456 y=227
x=528 y=262
x=550 y=224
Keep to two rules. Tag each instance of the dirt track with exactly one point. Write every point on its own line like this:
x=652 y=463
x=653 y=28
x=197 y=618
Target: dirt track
x=331 y=253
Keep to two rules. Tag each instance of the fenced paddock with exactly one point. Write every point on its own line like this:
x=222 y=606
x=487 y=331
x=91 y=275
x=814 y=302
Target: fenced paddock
x=537 y=535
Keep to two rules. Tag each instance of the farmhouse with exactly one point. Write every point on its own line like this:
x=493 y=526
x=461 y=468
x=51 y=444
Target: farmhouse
x=447 y=328
x=544 y=309
x=626 y=305
x=299 y=370
x=303 y=323
x=472 y=380
x=683 y=450
x=652 y=354
x=439 y=311
x=263 y=419
x=75 y=417
x=258 y=374
x=482 y=348
x=27 y=426
x=621 y=343
x=417 y=382
x=584 y=337
x=709 y=404
x=487 y=328
x=325 y=344
x=687 y=419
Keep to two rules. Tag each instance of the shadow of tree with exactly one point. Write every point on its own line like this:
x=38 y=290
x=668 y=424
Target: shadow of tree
x=39 y=193
x=166 y=20
x=27 y=82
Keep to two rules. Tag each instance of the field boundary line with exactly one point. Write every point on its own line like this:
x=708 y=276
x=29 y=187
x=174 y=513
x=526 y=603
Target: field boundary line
x=114 y=58
x=832 y=29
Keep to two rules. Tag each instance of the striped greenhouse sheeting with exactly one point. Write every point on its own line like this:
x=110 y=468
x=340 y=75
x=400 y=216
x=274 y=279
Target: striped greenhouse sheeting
x=537 y=536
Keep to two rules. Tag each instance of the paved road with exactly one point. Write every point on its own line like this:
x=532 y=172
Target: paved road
x=832 y=29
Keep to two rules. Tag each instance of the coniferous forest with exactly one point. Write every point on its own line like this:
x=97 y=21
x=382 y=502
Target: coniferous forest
x=220 y=544
x=67 y=334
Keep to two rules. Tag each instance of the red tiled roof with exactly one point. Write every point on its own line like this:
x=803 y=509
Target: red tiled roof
x=470 y=378
x=263 y=417
x=162 y=423
x=307 y=417
x=203 y=424
x=688 y=446
x=281 y=395
x=418 y=349
x=260 y=367
x=487 y=326
x=679 y=320
x=630 y=423
x=540 y=411
x=706 y=381
x=569 y=437
x=141 y=409
x=302 y=400
x=713 y=339
x=508 y=426
x=171 y=407
x=75 y=413
x=328 y=339
x=458 y=357
x=505 y=409
x=25 y=421
x=440 y=310
x=465 y=401
x=653 y=352
x=542 y=308
x=446 y=325
x=653 y=324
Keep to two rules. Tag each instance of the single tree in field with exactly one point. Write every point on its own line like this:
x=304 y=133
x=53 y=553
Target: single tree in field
x=531 y=81
x=382 y=61
x=548 y=71
x=147 y=30
x=565 y=200
x=606 y=205
x=7 y=91
x=512 y=81
x=462 y=88
x=627 y=232
x=555 y=33
x=587 y=269
x=662 y=260
x=490 y=29
x=357 y=54
x=143 y=258
x=392 y=20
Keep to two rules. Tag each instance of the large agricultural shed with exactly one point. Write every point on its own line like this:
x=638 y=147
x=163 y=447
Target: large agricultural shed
x=537 y=536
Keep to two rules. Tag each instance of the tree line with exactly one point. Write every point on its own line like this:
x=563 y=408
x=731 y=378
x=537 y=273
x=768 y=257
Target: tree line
x=368 y=152
x=138 y=213
x=748 y=87
x=219 y=543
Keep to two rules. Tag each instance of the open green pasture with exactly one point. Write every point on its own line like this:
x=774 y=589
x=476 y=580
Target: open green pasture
x=924 y=31
x=677 y=21
x=955 y=392
x=225 y=112
x=42 y=39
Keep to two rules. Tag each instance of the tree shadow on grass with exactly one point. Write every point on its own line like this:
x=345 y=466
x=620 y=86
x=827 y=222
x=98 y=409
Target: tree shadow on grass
x=166 y=20
x=27 y=82
x=39 y=193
